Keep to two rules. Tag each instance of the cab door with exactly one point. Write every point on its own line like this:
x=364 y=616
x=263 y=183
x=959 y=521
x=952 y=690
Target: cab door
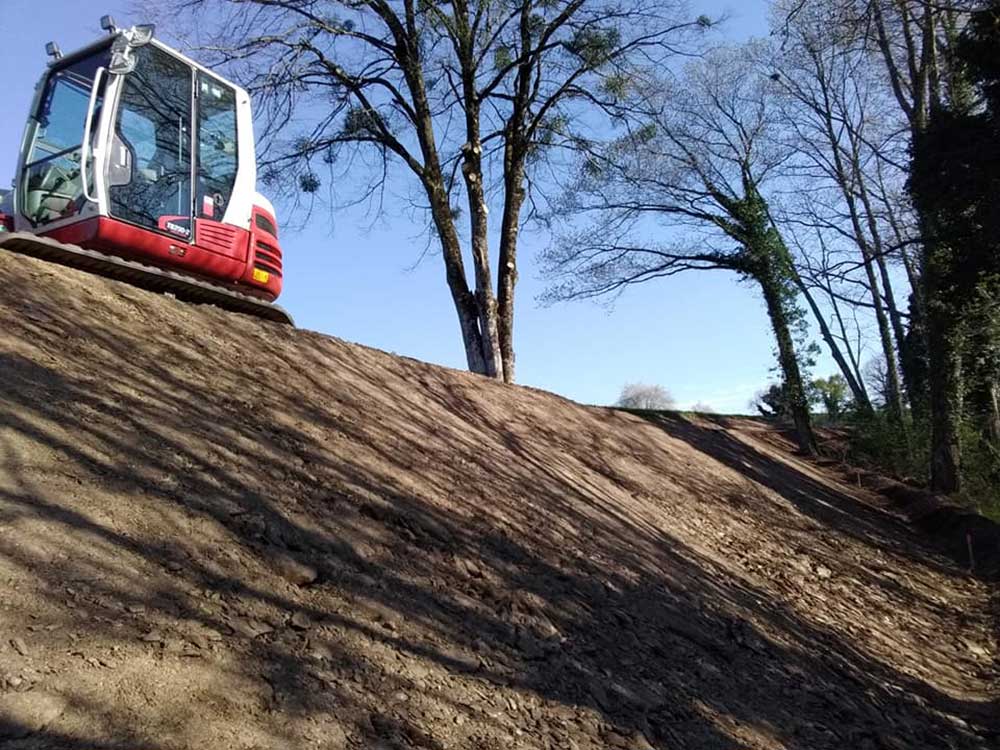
x=217 y=163
x=149 y=177
x=51 y=189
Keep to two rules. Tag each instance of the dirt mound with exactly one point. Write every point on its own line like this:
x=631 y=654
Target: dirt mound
x=219 y=533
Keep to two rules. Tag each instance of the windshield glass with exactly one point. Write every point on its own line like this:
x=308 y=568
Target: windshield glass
x=51 y=183
x=217 y=147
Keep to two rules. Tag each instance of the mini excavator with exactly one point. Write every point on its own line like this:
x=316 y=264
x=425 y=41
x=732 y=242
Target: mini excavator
x=138 y=164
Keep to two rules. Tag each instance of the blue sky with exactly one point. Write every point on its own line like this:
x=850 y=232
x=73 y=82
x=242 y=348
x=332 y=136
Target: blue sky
x=705 y=337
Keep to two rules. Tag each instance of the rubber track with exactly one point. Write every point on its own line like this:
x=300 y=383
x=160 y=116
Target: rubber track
x=153 y=279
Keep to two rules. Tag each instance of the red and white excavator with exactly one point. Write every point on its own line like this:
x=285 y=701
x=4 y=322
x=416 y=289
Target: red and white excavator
x=138 y=163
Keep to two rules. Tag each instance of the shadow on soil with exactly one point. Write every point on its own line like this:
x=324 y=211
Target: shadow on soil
x=568 y=600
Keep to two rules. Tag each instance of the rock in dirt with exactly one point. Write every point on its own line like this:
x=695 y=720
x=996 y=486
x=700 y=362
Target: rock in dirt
x=294 y=571
x=300 y=621
x=250 y=628
x=24 y=714
x=976 y=649
x=319 y=651
x=19 y=646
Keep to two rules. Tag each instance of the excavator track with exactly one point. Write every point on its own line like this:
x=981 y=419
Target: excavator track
x=184 y=288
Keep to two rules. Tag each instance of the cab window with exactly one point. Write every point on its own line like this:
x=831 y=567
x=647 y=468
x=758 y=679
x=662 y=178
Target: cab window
x=217 y=147
x=51 y=185
x=154 y=128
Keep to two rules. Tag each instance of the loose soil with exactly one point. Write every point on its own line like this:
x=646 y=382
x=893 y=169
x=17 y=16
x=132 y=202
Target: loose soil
x=221 y=533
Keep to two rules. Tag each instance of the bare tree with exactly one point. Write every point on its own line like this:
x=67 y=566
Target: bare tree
x=877 y=374
x=846 y=128
x=693 y=170
x=837 y=340
x=471 y=97
x=644 y=396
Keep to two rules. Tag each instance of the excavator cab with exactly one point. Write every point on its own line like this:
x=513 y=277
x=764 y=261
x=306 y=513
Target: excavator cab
x=134 y=150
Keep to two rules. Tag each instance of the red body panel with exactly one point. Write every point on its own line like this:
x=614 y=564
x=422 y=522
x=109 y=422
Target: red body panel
x=265 y=253
x=6 y=223
x=219 y=253
x=220 y=238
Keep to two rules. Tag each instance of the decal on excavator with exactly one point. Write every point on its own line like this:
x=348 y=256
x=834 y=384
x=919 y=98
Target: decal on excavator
x=178 y=229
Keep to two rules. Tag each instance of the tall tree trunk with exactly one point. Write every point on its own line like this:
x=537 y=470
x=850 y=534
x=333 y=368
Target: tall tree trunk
x=992 y=413
x=941 y=318
x=794 y=387
x=943 y=339
x=983 y=364
x=858 y=391
x=895 y=394
x=946 y=402
x=507 y=273
x=466 y=305
x=895 y=319
x=486 y=302
x=515 y=153
x=850 y=176
x=472 y=172
x=474 y=310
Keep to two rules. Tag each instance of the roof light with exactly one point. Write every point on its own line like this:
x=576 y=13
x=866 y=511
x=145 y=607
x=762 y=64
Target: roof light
x=53 y=51
x=108 y=24
x=142 y=34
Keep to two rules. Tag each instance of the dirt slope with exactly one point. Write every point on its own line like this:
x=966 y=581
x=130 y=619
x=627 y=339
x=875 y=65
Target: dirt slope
x=216 y=533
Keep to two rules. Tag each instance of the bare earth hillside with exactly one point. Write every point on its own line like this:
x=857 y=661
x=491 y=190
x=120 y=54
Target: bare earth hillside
x=219 y=533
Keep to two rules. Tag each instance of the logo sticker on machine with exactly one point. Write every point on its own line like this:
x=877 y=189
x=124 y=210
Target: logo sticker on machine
x=261 y=276
x=178 y=229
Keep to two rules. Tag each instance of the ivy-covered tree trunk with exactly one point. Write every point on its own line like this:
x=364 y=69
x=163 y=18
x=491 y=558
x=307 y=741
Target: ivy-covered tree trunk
x=947 y=285
x=985 y=397
x=767 y=260
x=991 y=412
x=778 y=313
x=914 y=359
x=983 y=364
x=945 y=376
